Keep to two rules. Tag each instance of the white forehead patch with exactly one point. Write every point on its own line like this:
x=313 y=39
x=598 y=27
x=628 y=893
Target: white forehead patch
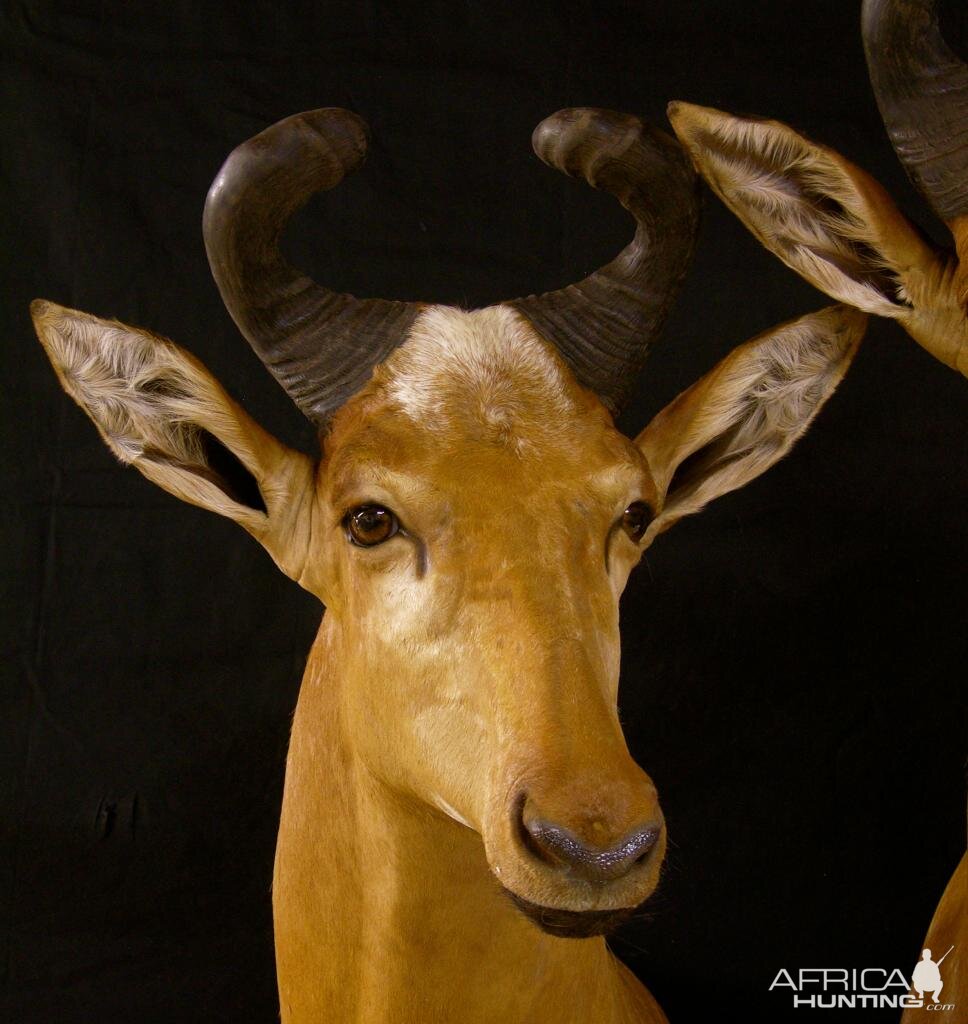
x=488 y=364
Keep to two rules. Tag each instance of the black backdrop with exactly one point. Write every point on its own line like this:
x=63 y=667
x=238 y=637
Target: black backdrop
x=794 y=658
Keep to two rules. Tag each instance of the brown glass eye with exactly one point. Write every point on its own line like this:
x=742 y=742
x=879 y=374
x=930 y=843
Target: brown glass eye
x=370 y=525
x=636 y=519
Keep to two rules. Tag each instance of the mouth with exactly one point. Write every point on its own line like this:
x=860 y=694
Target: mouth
x=570 y=924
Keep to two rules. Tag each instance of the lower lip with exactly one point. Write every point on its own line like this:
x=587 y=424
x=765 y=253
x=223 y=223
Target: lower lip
x=571 y=924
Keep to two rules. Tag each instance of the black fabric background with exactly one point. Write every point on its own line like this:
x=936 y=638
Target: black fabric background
x=794 y=659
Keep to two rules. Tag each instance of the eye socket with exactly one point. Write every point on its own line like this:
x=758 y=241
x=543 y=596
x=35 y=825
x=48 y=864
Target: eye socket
x=370 y=525
x=636 y=519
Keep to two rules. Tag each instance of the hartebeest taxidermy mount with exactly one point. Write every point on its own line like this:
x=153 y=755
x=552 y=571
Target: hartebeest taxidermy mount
x=838 y=228
x=462 y=821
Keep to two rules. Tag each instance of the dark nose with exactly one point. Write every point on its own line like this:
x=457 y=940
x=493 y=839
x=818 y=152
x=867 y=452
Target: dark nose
x=563 y=849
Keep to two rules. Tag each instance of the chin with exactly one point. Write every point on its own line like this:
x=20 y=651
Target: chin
x=570 y=924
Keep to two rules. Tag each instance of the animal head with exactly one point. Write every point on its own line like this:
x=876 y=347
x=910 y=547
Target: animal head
x=475 y=514
x=832 y=222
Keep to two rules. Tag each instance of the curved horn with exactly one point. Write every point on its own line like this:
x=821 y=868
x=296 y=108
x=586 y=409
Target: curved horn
x=604 y=325
x=922 y=91
x=320 y=345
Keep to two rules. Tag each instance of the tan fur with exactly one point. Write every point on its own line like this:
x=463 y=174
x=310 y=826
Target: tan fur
x=471 y=660
x=949 y=927
x=832 y=223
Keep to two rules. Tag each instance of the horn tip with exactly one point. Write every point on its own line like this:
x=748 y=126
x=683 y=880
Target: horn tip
x=336 y=121
x=549 y=129
x=341 y=134
x=571 y=122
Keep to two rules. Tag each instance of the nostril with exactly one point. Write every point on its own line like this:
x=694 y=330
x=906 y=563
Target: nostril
x=646 y=840
x=536 y=839
x=561 y=849
x=550 y=843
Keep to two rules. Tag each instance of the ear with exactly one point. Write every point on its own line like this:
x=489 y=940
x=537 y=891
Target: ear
x=826 y=219
x=748 y=411
x=161 y=411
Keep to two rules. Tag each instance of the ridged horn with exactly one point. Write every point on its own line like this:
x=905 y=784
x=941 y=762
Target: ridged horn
x=604 y=325
x=320 y=345
x=922 y=91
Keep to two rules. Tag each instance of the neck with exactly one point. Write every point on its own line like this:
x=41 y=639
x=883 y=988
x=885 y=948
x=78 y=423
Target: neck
x=385 y=909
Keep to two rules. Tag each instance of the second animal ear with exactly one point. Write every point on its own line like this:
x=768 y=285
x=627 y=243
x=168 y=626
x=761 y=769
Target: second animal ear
x=830 y=221
x=825 y=218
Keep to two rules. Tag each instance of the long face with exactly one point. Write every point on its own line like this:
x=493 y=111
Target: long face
x=481 y=517
x=475 y=515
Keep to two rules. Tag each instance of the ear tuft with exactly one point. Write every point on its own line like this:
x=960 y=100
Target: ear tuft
x=160 y=410
x=153 y=404
x=138 y=388
x=786 y=375
x=747 y=412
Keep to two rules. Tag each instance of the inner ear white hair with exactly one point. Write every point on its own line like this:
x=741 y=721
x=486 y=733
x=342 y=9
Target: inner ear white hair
x=158 y=409
x=748 y=411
